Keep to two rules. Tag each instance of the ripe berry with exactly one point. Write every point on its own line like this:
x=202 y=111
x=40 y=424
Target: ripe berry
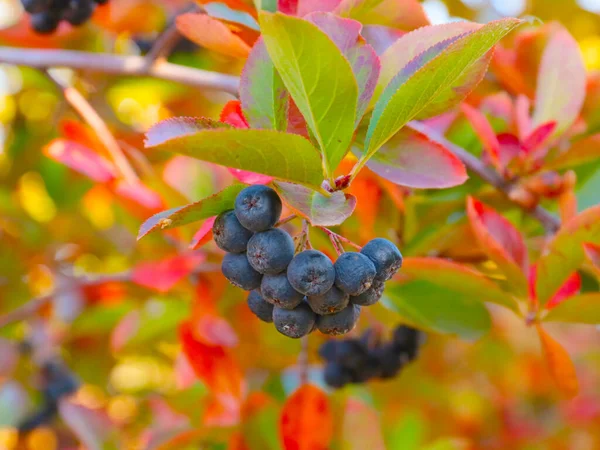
x=406 y=340
x=311 y=273
x=258 y=208
x=354 y=273
x=44 y=22
x=276 y=289
x=339 y=323
x=351 y=354
x=390 y=361
x=336 y=376
x=370 y=296
x=239 y=272
x=78 y=12
x=294 y=323
x=229 y=233
x=260 y=308
x=270 y=251
x=331 y=302
x=385 y=256
x=328 y=350
x=35 y=6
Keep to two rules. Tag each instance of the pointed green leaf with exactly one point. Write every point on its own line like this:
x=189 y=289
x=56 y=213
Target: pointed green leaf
x=434 y=81
x=286 y=156
x=319 y=79
x=584 y=308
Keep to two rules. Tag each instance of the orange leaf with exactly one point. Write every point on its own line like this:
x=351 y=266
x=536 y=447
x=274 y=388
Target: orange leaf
x=560 y=364
x=306 y=420
x=212 y=34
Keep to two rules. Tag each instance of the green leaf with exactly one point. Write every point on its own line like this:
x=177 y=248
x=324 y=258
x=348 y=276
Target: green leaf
x=183 y=215
x=434 y=81
x=584 y=308
x=317 y=208
x=286 y=156
x=319 y=79
x=565 y=252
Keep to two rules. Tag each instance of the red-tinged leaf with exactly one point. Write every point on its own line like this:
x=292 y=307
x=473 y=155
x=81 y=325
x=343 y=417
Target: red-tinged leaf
x=592 y=253
x=309 y=6
x=410 y=158
x=212 y=34
x=317 y=208
x=263 y=95
x=185 y=376
x=404 y=50
x=510 y=148
x=81 y=159
x=362 y=57
x=183 y=215
x=582 y=151
x=288 y=6
x=567 y=205
x=92 y=427
x=561 y=66
x=565 y=252
x=584 y=308
x=250 y=177
x=560 y=364
x=570 y=287
x=406 y=15
x=537 y=138
x=139 y=194
x=213 y=330
x=177 y=127
x=501 y=241
x=522 y=116
x=73 y=130
x=203 y=235
x=165 y=274
x=362 y=427
x=306 y=420
x=498 y=105
x=232 y=115
x=381 y=37
x=215 y=366
x=221 y=411
x=484 y=131
x=127 y=327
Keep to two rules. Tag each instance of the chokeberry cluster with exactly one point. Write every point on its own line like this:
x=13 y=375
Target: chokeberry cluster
x=297 y=292
x=366 y=358
x=47 y=14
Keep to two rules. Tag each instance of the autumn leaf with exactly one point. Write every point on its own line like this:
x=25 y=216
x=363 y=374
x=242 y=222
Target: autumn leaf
x=559 y=363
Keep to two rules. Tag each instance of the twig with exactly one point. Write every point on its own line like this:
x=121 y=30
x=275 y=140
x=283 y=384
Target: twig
x=303 y=360
x=336 y=244
x=286 y=220
x=119 y=65
x=93 y=119
x=340 y=237
x=550 y=222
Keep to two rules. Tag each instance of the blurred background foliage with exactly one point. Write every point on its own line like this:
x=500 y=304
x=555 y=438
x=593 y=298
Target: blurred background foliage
x=121 y=340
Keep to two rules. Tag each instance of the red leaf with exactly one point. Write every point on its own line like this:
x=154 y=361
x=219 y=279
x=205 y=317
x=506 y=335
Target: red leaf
x=523 y=118
x=139 y=194
x=484 y=131
x=163 y=275
x=501 y=241
x=185 y=376
x=81 y=159
x=538 y=137
x=308 y=6
x=559 y=363
x=212 y=34
x=592 y=252
x=510 y=148
x=78 y=132
x=306 y=420
x=210 y=329
x=125 y=330
x=232 y=114
x=288 y=6
x=204 y=234
x=569 y=288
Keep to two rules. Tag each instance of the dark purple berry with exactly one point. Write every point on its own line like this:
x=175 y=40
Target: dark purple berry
x=35 y=6
x=276 y=289
x=330 y=302
x=260 y=308
x=258 y=207
x=385 y=256
x=78 y=12
x=370 y=296
x=44 y=22
x=328 y=350
x=294 y=323
x=339 y=323
x=407 y=340
x=229 y=234
x=354 y=273
x=335 y=376
x=239 y=272
x=270 y=251
x=351 y=354
x=311 y=272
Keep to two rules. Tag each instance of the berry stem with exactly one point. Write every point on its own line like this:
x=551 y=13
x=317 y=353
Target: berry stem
x=336 y=245
x=285 y=220
x=303 y=360
x=340 y=237
x=306 y=234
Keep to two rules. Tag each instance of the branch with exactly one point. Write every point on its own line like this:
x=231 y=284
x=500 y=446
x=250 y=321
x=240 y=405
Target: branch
x=93 y=119
x=550 y=222
x=119 y=65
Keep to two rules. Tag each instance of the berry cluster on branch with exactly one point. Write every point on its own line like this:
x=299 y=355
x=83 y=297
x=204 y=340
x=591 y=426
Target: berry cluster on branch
x=365 y=358
x=298 y=292
x=46 y=15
